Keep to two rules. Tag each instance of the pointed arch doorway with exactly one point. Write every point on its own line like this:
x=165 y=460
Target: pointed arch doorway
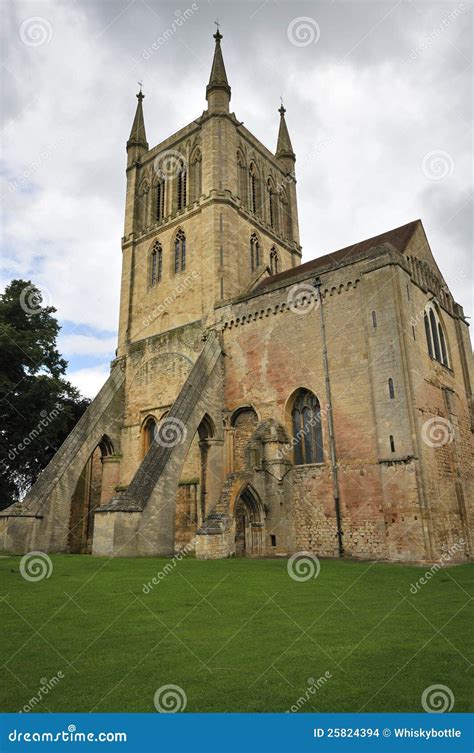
x=249 y=517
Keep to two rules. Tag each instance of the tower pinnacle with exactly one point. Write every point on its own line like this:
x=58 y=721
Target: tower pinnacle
x=137 y=142
x=284 y=150
x=218 y=89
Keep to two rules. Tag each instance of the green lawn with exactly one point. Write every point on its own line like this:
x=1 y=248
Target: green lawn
x=235 y=635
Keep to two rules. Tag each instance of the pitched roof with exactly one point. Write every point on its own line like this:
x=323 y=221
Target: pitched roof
x=399 y=238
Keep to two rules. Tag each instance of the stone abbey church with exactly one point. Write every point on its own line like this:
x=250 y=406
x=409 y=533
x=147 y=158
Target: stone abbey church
x=259 y=406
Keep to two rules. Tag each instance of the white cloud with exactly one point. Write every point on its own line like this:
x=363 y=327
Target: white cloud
x=360 y=123
x=89 y=380
x=86 y=345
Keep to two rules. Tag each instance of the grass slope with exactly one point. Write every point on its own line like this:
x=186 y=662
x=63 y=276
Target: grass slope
x=236 y=635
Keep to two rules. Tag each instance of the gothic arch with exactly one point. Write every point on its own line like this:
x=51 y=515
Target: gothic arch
x=148 y=430
x=256 y=254
x=285 y=214
x=195 y=175
x=142 y=204
x=272 y=204
x=93 y=488
x=436 y=339
x=255 y=200
x=244 y=421
x=179 y=251
x=159 y=196
x=274 y=261
x=249 y=516
x=242 y=177
x=304 y=419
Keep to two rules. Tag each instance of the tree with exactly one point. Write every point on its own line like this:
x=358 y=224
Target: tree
x=38 y=406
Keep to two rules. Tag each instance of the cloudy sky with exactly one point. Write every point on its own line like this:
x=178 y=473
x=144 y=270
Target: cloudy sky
x=378 y=98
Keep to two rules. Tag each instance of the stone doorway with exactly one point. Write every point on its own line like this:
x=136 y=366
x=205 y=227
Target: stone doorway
x=92 y=490
x=249 y=525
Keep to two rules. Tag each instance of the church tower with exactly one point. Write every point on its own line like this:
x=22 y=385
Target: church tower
x=259 y=406
x=209 y=211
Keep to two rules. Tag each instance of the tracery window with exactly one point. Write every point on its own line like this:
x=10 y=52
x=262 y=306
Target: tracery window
x=180 y=251
x=307 y=429
x=181 y=186
x=274 y=261
x=435 y=337
x=255 y=257
x=156 y=264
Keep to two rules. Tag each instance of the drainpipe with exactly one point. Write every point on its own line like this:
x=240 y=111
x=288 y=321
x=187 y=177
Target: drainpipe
x=332 y=443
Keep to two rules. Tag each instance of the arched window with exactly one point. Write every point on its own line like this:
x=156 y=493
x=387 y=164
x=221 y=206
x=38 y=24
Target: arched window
x=428 y=335
x=274 y=261
x=287 y=225
x=142 y=208
x=254 y=189
x=255 y=256
x=272 y=204
x=180 y=252
x=242 y=168
x=181 y=186
x=156 y=264
x=374 y=320
x=149 y=431
x=195 y=176
x=160 y=199
x=435 y=337
x=391 y=391
x=307 y=429
x=392 y=443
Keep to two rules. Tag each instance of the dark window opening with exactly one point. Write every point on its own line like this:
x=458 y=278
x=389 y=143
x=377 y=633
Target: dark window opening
x=307 y=429
x=391 y=391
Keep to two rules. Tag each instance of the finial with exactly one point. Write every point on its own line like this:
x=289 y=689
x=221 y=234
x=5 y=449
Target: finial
x=217 y=35
x=140 y=95
x=281 y=109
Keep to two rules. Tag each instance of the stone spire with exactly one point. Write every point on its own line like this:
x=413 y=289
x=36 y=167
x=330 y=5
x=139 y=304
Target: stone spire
x=218 y=89
x=284 y=150
x=137 y=143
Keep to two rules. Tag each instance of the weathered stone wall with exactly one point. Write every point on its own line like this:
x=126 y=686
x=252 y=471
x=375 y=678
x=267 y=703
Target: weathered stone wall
x=398 y=498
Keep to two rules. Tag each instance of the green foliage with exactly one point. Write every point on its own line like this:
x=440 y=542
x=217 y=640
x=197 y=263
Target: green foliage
x=38 y=407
